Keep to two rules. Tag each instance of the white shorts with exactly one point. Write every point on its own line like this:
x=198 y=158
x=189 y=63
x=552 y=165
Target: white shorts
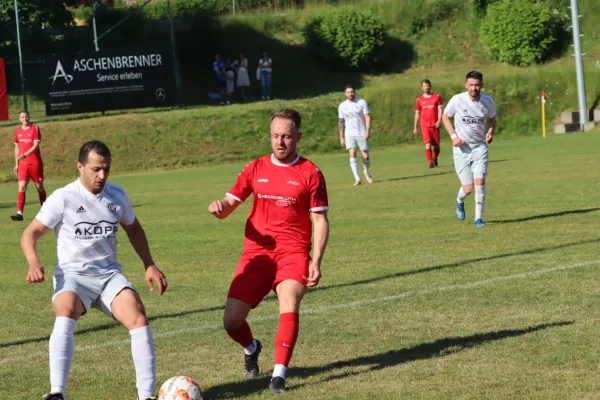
x=96 y=291
x=353 y=142
x=470 y=163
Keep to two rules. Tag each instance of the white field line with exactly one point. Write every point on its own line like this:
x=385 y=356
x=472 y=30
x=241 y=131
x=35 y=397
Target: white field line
x=360 y=303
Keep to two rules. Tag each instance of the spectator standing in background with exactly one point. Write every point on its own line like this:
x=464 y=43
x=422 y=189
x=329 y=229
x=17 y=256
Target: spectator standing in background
x=265 y=65
x=219 y=70
x=243 y=79
x=229 y=79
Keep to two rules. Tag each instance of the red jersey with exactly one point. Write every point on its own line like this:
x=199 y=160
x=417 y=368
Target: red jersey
x=429 y=106
x=284 y=196
x=26 y=138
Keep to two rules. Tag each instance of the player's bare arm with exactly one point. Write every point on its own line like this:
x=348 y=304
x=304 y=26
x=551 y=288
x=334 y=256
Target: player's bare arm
x=439 y=118
x=34 y=232
x=16 y=158
x=367 y=125
x=320 y=238
x=489 y=136
x=342 y=126
x=139 y=241
x=456 y=141
x=417 y=117
x=36 y=145
x=223 y=208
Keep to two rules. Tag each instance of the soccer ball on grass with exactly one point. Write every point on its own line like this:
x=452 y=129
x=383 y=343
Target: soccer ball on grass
x=180 y=388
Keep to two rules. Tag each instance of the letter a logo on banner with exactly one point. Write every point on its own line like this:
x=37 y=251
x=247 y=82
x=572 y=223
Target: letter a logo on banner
x=60 y=73
x=3 y=93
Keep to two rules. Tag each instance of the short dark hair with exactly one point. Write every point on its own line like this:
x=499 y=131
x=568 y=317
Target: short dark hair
x=289 y=114
x=96 y=146
x=475 y=75
x=427 y=81
x=349 y=86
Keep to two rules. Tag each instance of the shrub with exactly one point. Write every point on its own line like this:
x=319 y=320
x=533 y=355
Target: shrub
x=427 y=14
x=345 y=38
x=521 y=32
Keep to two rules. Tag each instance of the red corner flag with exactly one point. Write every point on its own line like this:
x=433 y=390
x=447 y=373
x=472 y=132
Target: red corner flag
x=543 y=96
x=3 y=93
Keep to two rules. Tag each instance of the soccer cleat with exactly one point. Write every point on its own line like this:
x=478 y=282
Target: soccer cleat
x=54 y=396
x=150 y=398
x=460 y=210
x=479 y=223
x=368 y=176
x=431 y=166
x=435 y=162
x=277 y=385
x=17 y=217
x=251 y=362
x=357 y=182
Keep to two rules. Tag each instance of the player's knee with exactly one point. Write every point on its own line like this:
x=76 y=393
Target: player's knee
x=427 y=146
x=231 y=323
x=468 y=189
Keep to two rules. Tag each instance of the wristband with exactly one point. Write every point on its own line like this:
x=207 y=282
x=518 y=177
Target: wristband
x=453 y=136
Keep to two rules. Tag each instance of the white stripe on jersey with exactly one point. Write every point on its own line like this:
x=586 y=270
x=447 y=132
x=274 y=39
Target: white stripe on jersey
x=86 y=226
x=470 y=117
x=353 y=114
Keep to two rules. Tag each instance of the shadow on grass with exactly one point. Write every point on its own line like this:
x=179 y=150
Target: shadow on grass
x=104 y=327
x=542 y=216
x=438 y=348
x=7 y=205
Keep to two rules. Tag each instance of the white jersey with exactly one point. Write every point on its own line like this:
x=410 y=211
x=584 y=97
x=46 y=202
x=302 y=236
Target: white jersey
x=86 y=227
x=470 y=117
x=353 y=114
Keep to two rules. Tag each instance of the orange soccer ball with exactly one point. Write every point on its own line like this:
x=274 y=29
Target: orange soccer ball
x=180 y=388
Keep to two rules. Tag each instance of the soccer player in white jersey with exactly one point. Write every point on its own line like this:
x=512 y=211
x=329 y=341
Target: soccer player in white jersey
x=86 y=216
x=471 y=110
x=355 y=129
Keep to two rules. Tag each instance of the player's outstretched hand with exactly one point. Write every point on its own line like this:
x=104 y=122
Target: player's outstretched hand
x=216 y=207
x=489 y=138
x=35 y=274
x=16 y=169
x=415 y=132
x=343 y=142
x=314 y=275
x=367 y=134
x=457 y=142
x=153 y=275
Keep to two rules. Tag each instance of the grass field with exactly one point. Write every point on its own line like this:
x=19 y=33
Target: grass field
x=413 y=303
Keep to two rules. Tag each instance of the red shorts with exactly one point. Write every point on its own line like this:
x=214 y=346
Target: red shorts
x=33 y=171
x=260 y=272
x=431 y=135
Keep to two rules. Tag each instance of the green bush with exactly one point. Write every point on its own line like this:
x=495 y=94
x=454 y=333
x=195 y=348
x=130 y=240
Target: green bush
x=521 y=32
x=427 y=14
x=345 y=38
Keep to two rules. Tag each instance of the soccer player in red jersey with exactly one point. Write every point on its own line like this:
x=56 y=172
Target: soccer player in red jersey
x=288 y=192
x=28 y=161
x=429 y=110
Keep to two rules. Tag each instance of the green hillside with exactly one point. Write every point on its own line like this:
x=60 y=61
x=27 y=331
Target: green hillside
x=435 y=39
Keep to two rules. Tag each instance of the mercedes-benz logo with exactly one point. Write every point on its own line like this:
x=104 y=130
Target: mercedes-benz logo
x=160 y=94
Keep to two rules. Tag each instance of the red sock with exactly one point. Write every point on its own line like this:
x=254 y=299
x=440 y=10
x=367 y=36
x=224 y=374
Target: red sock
x=242 y=335
x=42 y=194
x=285 y=340
x=436 y=152
x=20 y=201
x=428 y=154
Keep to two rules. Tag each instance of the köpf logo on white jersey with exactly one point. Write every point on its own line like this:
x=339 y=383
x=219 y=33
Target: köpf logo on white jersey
x=60 y=73
x=96 y=230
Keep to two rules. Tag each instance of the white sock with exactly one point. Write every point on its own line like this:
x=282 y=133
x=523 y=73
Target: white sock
x=279 y=370
x=20 y=212
x=144 y=359
x=479 y=201
x=62 y=346
x=461 y=195
x=354 y=168
x=366 y=164
x=250 y=349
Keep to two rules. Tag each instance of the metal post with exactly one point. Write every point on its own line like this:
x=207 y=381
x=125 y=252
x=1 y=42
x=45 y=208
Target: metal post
x=94 y=4
x=176 y=69
x=583 y=113
x=20 y=56
x=233 y=7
